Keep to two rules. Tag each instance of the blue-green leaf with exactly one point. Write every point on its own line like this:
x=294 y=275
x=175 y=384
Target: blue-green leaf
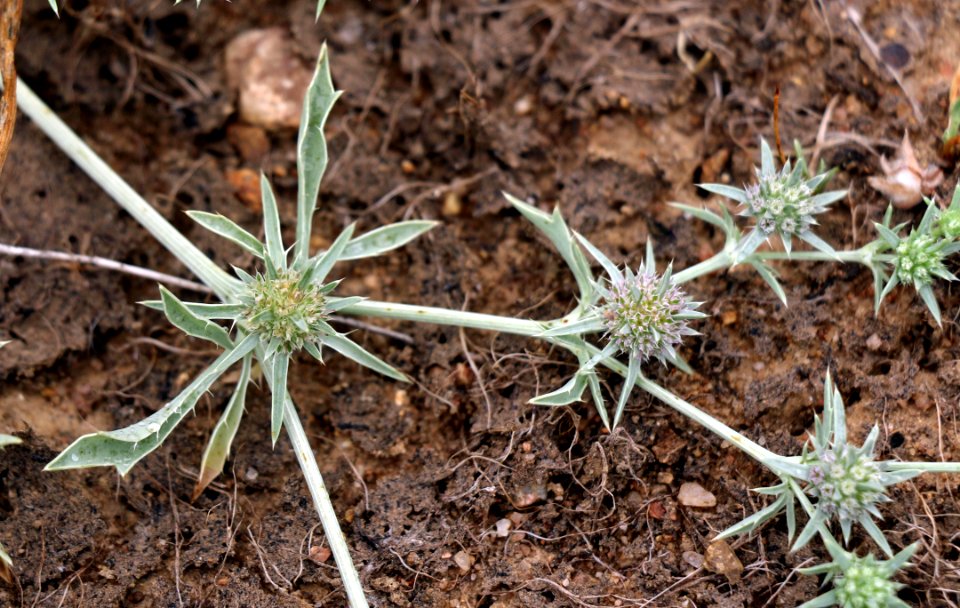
x=189 y=323
x=312 y=150
x=228 y=229
x=384 y=239
x=123 y=448
x=278 y=389
x=351 y=350
x=218 y=448
x=276 y=256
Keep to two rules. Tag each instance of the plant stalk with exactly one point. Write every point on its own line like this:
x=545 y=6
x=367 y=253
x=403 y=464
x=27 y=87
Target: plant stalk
x=321 y=500
x=719 y=261
x=79 y=152
x=442 y=316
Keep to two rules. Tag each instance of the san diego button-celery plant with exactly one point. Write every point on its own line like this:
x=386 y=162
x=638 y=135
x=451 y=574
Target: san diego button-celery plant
x=918 y=258
x=859 y=582
x=781 y=203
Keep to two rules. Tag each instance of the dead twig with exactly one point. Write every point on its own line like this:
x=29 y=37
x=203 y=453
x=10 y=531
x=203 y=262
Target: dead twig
x=9 y=30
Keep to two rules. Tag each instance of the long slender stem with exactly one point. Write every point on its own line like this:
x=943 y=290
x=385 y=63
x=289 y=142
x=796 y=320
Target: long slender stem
x=718 y=261
x=927 y=467
x=321 y=500
x=223 y=284
x=442 y=316
x=855 y=255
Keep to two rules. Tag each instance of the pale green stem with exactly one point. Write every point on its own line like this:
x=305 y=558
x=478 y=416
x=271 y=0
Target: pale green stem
x=442 y=316
x=223 y=284
x=857 y=255
x=927 y=467
x=719 y=261
x=321 y=500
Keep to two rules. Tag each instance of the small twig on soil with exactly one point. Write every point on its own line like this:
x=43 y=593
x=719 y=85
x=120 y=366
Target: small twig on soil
x=390 y=333
x=177 y=538
x=263 y=564
x=776 y=125
x=476 y=372
x=106 y=263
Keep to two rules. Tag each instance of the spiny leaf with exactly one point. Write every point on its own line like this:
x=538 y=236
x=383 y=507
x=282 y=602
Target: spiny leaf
x=320 y=266
x=218 y=448
x=570 y=392
x=351 y=350
x=384 y=239
x=204 y=311
x=736 y=194
x=276 y=256
x=278 y=387
x=191 y=324
x=123 y=448
x=555 y=229
x=228 y=229
x=312 y=150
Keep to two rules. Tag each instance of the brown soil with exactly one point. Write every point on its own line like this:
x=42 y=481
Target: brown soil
x=582 y=104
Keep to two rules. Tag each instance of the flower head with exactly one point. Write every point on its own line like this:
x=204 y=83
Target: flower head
x=860 y=582
x=285 y=311
x=781 y=203
x=918 y=258
x=646 y=315
x=846 y=481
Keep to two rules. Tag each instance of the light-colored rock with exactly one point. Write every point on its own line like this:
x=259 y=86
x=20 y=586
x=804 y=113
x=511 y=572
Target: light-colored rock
x=464 y=561
x=270 y=80
x=693 y=494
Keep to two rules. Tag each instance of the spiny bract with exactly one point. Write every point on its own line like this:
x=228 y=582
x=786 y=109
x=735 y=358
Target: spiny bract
x=646 y=316
x=284 y=311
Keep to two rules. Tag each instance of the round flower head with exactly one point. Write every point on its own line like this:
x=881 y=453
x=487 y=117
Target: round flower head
x=860 y=582
x=865 y=584
x=845 y=481
x=781 y=203
x=646 y=315
x=283 y=311
x=919 y=258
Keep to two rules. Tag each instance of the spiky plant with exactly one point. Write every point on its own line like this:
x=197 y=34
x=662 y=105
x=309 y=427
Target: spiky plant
x=859 y=582
x=918 y=258
x=781 y=203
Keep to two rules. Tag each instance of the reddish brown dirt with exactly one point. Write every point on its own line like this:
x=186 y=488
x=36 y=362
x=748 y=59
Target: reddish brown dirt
x=583 y=104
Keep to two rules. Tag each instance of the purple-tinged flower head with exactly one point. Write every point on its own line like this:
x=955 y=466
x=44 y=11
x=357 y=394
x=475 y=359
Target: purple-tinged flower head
x=646 y=315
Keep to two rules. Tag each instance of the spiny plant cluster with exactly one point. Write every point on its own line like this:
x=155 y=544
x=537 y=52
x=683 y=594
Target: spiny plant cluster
x=645 y=315
x=623 y=320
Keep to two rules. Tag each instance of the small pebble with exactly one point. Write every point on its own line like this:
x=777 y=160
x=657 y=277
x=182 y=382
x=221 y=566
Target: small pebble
x=251 y=474
x=693 y=558
x=503 y=527
x=874 y=342
x=464 y=561
x=721 y=559
x=523 y=106
x=319 y=554
x=452 y=204
x=693 y=494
